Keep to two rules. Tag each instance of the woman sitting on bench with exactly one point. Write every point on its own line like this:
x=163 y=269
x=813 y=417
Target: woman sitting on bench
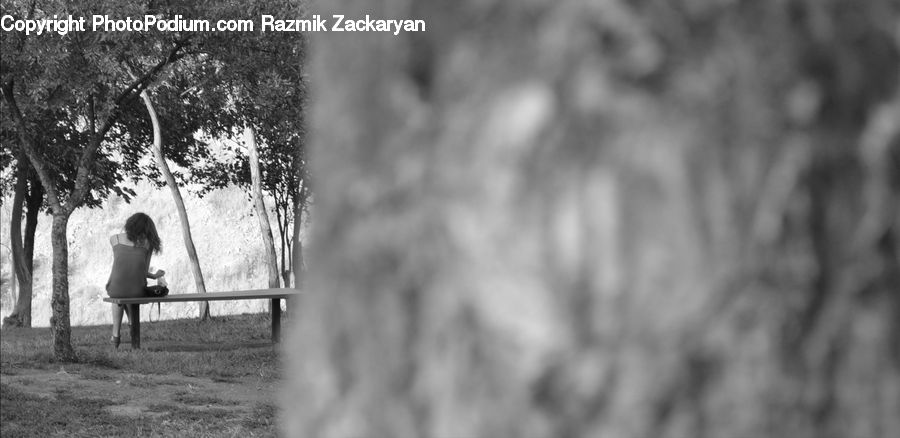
x=131 y=262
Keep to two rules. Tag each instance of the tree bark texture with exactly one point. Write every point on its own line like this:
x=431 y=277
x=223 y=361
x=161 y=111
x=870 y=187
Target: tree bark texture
x=21 y=315
x=33 y=204
x=13 y=284
x=60 y=325
x=297 y=247
x=603 y=219
x=259 y=207
x=179 y=203
x=28 y=191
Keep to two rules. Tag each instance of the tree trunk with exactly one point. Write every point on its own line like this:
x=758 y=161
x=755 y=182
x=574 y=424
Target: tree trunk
x=179 y=204
x=297 y=246
x=285 y=249
x=60 y=326
x=23 y=254
x=33 y=204
x=13 y=284
x=259 y=207
x=281 y=219
x=21 y=315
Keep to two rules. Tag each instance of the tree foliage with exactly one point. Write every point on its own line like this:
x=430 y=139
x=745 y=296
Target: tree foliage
x=258 y=83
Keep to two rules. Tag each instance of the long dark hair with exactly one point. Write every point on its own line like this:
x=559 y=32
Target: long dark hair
x=140 y=229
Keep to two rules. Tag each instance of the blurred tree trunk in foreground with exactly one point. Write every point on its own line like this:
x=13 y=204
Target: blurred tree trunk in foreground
x=604 y=219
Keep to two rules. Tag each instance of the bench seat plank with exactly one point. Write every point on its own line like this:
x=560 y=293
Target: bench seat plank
x=256 y=294
x=133 y=305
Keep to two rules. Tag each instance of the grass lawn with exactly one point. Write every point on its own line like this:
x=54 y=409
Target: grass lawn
x=215 y=378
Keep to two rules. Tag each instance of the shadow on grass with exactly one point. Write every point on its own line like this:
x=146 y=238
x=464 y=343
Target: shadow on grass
x=194 y=347
x=225 y=348
x=64 y=414
x=25 y=415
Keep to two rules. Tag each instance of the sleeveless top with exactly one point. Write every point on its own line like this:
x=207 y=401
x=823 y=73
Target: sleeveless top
x=129 y=271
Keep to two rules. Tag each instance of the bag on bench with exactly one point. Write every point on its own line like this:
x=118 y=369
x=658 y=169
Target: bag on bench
x=156 y=291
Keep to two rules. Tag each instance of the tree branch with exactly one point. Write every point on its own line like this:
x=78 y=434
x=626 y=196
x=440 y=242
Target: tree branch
x=92 y=117
x=140 y=84
x=27 y=145
x=136 y=87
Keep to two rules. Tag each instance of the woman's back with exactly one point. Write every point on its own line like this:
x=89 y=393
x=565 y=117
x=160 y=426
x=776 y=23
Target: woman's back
x=131 y=262
x=129 y=271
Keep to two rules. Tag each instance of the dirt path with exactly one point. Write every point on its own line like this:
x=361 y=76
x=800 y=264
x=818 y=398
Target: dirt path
x=144 y=395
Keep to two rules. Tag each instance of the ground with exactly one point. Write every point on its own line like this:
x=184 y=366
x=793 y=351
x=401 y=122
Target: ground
x=173 y=387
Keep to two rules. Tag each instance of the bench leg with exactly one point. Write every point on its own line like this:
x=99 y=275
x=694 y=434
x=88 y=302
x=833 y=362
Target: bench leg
x=134 y=322
x=276 y=320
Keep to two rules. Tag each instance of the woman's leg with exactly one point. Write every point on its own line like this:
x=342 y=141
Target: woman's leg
x=117 y=319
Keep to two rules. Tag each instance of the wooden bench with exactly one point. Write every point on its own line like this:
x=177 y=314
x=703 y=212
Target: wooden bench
x=132 y=306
